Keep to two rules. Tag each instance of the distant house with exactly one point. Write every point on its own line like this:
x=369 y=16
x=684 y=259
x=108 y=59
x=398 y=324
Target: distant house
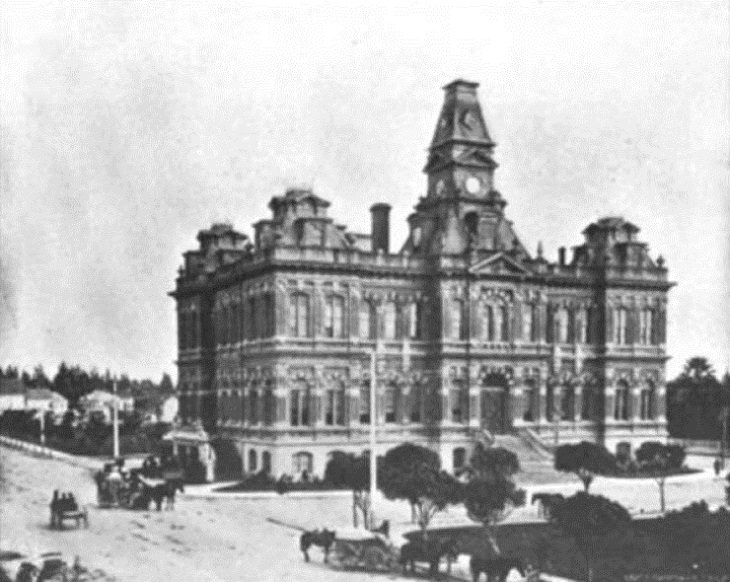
x=103 y=402
x=12 y=394
x=45 y=400
x=168 y=409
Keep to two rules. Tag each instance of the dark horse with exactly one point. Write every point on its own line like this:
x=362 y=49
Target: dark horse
x=164 y=492
x=496 y=569
x=546 y=503
x=430 y=551
x=322 y=538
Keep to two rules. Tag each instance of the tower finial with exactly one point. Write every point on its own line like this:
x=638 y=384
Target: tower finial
x=539 y=250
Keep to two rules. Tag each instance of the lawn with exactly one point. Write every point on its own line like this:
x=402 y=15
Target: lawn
x=662 y=547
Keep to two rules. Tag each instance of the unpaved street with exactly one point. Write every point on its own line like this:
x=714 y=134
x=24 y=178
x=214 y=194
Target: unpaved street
x=232 y=539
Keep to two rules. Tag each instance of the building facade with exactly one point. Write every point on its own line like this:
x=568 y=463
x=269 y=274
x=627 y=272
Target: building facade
x=473 y=333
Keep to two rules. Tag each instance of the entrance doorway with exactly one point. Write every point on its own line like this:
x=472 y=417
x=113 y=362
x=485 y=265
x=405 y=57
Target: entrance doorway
x=494 y=396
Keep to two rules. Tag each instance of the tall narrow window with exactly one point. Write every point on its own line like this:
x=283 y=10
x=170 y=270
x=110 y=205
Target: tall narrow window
x=504 y=323
x=390 y=403
x=299 y=406
x=334 y=316
x=365 y=403
x=587 y=402
x=456 y=402
x=647 y=401
x=269 y=315
x=299 y=315
x=334 y=407
x=414 y=320
x=416 y=398
x=457 y=319
x=561 y=332
x=496 y=331
x=486 y=323
x=581 y=325
x=646 y=321
x=567 y=397
x=619 y=325
x=253 y=406
x=529 y=394
x=527 y=323
x=363 y=321
x=389 y=316
x=621 y=402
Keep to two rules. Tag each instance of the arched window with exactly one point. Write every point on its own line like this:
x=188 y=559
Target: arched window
x=299 y=315
x=621 y=401
x=334 y=316
x=459 y=458
x=266 y=462
x=486 y=322
x=389 y=316
x=646 y=411
x=301 y=462
x=252 y=461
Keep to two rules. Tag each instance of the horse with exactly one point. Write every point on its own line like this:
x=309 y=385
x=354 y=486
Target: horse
x=496 y=569
x=430 y=552
x=322 y=538
x=546 y=502
x=165 y=492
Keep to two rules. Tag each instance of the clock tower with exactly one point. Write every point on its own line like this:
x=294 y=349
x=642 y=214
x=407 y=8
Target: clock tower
x=461 y=210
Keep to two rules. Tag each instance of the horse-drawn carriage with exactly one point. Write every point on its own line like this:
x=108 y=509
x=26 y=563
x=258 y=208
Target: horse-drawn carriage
x=137 y=488
x=364 y=550
x=65 y=508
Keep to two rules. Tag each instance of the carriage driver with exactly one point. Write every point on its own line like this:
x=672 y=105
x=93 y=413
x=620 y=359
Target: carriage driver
x=115 y=483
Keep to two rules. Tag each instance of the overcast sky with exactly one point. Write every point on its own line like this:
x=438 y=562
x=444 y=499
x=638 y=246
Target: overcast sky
x=127 y=127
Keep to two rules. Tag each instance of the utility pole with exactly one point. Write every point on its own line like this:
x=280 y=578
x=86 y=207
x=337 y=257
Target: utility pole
x=115 y=420
x=373 y=436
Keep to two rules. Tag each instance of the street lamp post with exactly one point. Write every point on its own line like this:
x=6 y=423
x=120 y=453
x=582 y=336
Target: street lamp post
x=373 y=436
x=115 y=420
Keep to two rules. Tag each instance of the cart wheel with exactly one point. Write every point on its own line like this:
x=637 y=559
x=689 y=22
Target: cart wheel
x=373 y=558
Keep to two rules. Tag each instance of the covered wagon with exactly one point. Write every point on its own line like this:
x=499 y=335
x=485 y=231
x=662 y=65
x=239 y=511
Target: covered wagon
x=362 y=549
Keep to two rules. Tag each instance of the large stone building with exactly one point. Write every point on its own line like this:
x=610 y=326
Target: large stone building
x=474 y=332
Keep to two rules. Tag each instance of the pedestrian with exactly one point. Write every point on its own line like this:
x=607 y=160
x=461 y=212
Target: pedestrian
x=115 y=483
x=717 y=465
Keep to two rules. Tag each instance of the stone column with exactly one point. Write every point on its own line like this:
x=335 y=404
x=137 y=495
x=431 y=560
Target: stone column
x=318 y=396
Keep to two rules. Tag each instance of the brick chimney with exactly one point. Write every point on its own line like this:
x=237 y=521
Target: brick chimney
x=380 y=232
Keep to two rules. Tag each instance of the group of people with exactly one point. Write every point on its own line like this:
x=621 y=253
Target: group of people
x=63 y=502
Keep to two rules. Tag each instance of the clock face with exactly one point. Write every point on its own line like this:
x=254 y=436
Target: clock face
x=472 y=184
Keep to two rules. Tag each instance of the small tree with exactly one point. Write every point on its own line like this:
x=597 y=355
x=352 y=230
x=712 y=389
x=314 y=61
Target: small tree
x=660 y=461
x=586 y=460
x=352 y=472
x=414 y=473
x=491 y=493
x=586 y=518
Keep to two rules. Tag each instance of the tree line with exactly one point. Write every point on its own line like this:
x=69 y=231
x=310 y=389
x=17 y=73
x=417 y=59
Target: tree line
x=73 y=382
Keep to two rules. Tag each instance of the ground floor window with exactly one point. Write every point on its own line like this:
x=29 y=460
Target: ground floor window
x=529 y=394
x=266 y=462
x=365 y=404
x=302 y=462
x=459 y=457
x=252 y=461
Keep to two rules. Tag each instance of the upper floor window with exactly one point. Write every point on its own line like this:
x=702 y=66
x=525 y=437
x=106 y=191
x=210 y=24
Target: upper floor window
x=389 y=401
x=646 y=326
x=389 y=323
x=561 y=325
x=457 y=319
x=334 y=406
x=299 y=315
x=581 y=325
x=620 y=320
x=503 y=323
x=365 y=403
x=646 y=411
x=334 y=316
x=414 y=320
x=299 y=406
x=621 y=402
x=528 y=323
x=367 y=320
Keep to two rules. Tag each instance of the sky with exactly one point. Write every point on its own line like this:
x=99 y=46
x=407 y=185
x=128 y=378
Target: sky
x=126 y=127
